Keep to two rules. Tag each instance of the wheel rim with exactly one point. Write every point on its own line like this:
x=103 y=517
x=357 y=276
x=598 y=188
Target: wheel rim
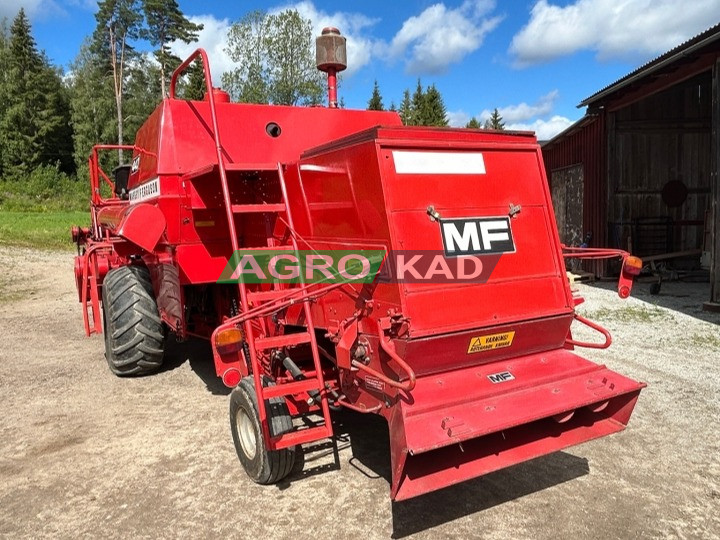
x=246 y=433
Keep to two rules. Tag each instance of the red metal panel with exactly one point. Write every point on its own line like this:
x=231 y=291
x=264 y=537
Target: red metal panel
x=475 y=426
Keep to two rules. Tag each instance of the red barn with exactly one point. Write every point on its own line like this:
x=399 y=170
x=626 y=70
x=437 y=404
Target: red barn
x=640 y=170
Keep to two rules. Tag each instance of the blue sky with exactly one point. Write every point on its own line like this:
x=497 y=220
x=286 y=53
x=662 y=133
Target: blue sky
x=535 y=60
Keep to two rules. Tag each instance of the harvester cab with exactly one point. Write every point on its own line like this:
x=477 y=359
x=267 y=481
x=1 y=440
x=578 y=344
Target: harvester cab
x=338 y=259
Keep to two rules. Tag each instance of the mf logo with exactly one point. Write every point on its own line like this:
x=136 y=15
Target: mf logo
x=501 y=377
x=477 y=236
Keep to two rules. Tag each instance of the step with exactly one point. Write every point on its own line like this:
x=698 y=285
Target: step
x=265 y=296
x=251 y=167
x=285 y=340
x=209 y=168
x=300 y=437
x=258 y=208
x=267 y=248
x=292 y=388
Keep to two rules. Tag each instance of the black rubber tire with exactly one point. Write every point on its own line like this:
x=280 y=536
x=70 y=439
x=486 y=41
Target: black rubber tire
x=134 y=334
x=263 y=466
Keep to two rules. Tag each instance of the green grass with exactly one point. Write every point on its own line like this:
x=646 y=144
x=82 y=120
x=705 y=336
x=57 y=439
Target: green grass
x=706 y=340
x=630 y=314
x=46 y=230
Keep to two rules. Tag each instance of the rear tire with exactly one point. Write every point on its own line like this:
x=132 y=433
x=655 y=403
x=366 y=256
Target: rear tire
x=261 y=465
x=134 y=336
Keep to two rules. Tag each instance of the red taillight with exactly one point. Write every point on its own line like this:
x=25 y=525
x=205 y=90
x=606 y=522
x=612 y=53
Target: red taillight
x=632 y=265
x=231 y=378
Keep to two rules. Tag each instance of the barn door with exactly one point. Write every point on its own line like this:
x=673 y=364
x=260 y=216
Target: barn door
x=567 y=197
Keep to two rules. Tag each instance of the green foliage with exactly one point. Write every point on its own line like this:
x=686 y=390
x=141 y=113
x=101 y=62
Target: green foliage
x=473 y=124
x=495 y=121
x=119 y=22
x=46 y=188
x=92 y=105
x=35 y=116
x=143 y=93
x=276 y=60
x=376 y=103
x=195 y=85
x=165 y=25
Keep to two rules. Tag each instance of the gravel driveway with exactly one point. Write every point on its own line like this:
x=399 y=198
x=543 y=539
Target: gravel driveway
x=85 y=454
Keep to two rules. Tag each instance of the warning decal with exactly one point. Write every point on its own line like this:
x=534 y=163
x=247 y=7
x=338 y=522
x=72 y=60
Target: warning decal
x=488 y=343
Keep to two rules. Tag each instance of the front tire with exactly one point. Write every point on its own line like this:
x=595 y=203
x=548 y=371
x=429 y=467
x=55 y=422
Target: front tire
x=261 y=465
x=134 y=337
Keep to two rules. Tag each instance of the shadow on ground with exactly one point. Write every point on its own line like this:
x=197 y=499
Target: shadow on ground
x=368 y=438
x=198 y=353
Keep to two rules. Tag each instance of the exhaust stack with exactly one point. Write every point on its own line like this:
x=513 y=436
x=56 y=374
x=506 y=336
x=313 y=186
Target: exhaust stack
x=331 y=57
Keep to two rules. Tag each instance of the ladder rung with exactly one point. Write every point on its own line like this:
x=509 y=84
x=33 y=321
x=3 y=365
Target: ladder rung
x=291 y=388
x=267 y=248
x=264 y=296
x=285 y=340
x=251 y=167
x=257 y=208
x=301 y=437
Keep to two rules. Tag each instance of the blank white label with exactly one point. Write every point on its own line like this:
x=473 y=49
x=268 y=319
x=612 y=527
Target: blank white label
x=407 y=162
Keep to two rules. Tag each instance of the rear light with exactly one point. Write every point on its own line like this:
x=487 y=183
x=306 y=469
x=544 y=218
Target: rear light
x=632 y=265
x=231 y=378
x=229 y=340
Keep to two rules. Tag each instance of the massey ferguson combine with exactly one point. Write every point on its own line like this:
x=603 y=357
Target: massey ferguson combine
x=336 y=259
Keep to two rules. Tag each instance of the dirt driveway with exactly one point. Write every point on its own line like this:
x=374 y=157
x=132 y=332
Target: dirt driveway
x=85 y=454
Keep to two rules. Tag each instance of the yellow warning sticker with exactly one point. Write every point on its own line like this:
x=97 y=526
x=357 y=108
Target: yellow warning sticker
x=493 y=341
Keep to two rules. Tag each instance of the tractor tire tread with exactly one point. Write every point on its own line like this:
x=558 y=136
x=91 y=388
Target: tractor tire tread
x=134 y=334
x=275 y=464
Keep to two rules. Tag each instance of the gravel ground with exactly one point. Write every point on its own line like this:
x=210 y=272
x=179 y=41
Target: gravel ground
x=85 y=454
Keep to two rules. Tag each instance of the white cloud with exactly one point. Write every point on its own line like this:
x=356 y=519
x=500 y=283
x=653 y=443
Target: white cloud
x=523 y=112
x=544 y=129
x=612 y=29
x=440 y=36
x=360 y=47
x=458 y=118
x=42 y=9
x=212 y=38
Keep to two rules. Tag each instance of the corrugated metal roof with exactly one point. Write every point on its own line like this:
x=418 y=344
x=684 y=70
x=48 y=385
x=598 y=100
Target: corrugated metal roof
x=706 y=37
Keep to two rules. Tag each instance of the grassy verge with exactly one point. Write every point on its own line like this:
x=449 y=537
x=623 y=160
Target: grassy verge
x=46 y=230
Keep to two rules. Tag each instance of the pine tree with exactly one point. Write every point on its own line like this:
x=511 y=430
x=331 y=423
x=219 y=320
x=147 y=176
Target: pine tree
x=376 y=103
x=195 y=87
x=495 y=121
x=406 y=109
x=418 y=104
x=433 y=108
x=473 y=123
x=4 y=71
x=92 y=104
x=143 y=93
x=165 y=25
x=393 y=107
x=34 y=127
x=118 y=23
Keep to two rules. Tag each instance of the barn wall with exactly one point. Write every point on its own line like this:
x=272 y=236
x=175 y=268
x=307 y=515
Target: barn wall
x=662 y=138
x=586 y=147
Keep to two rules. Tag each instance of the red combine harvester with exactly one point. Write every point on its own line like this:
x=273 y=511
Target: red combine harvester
x=472 y=375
